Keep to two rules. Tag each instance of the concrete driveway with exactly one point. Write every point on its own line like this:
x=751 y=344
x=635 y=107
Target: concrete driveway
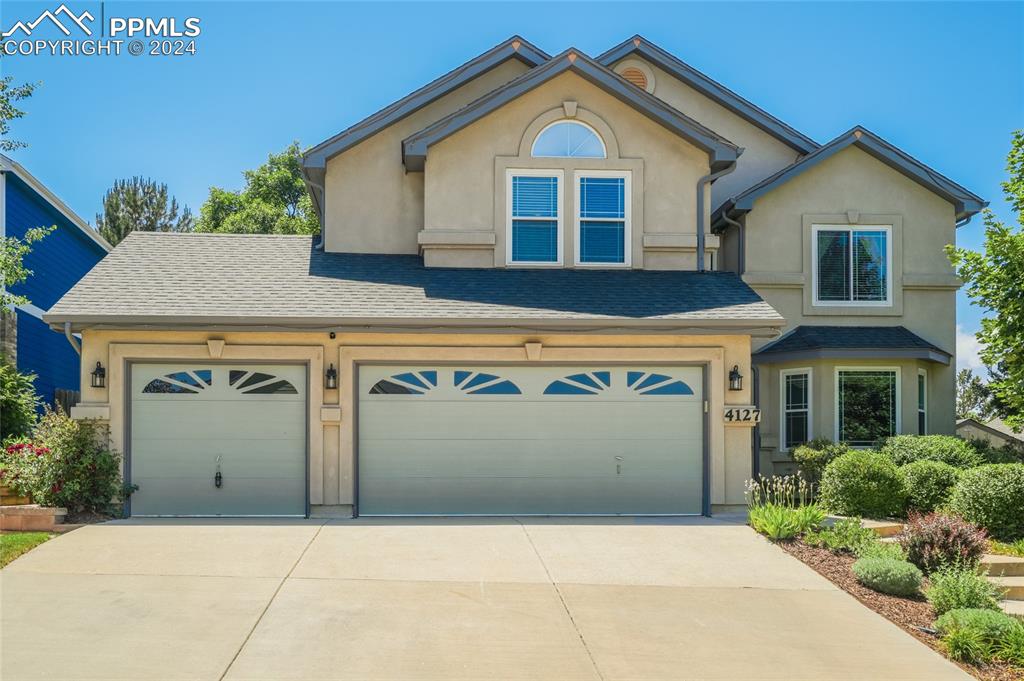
x=437 y=599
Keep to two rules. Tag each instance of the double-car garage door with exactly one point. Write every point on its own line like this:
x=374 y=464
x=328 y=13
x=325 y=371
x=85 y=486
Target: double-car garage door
x=431 y=440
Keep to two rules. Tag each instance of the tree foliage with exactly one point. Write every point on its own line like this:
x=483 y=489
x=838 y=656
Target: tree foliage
x=972 y=397
x=274 y=201
x=9 y=94
x=995 y=281
x=12 y=263
x=141 y=205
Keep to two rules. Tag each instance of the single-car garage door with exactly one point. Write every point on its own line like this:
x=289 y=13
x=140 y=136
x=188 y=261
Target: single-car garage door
x=191 y=422
x=515 y=440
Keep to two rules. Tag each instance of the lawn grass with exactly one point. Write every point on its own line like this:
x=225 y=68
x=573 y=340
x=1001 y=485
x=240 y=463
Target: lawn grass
x=13 y=544
x=1003 y=549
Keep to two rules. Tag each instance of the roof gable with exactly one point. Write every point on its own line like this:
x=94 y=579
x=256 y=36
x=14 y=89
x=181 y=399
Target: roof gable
x=966 y=202
x=721 y=151
x=640 y=46
x=513 y=48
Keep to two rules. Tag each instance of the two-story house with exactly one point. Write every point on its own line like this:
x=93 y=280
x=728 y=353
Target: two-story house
x=57 y=263
x=543 y=285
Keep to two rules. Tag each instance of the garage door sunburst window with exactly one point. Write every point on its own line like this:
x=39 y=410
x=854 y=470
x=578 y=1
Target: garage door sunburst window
x=408 y=383
x=477 y=383
x=180 y=383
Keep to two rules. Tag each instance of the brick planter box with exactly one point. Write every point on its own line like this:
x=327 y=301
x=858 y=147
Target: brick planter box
x=31 y=517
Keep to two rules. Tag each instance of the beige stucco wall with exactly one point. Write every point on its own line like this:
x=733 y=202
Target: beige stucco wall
x=972 y=432
x=332 y=434
x=465 y=173
x=372 y=204
x=853 y=187
x=763 y=154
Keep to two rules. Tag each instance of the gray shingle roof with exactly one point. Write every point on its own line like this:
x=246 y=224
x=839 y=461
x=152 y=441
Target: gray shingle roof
x=810 y=342
x=203 y=279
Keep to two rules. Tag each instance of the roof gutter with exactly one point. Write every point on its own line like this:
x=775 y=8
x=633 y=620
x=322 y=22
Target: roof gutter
x=71 y=339
x=702 y=184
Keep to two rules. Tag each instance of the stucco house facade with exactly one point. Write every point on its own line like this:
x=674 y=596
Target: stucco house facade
x=544 y=285
x=57 y=263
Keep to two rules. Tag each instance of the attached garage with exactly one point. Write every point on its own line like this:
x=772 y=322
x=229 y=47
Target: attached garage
x=531 y=440
x=218 y=440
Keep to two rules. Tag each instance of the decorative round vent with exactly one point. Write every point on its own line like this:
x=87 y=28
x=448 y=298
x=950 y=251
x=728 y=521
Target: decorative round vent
x=636 y=77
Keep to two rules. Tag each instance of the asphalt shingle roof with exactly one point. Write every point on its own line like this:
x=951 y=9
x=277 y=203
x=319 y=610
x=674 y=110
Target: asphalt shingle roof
x=811 y=338
x=258 y=279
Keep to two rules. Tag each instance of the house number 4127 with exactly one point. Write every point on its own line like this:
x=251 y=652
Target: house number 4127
x=742 y=415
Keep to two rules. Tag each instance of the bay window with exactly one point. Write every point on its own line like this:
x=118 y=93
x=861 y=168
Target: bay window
x=867 y=405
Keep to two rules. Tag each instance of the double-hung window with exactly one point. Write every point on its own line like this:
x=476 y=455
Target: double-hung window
x=602 y=218
x=534 y=217
x=852 y=265
x=867 y=405
x=796 y=407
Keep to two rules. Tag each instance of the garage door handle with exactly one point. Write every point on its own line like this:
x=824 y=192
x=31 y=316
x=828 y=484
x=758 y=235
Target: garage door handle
x=218 y=480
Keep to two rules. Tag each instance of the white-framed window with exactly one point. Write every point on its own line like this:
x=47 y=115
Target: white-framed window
x=795 y=401
x=852 y=265
x=568 y=139
x=867 y=404
x=922 y=402
x=534 y=217
x=602 y=218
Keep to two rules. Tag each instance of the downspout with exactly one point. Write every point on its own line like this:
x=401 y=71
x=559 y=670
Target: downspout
x=963 y=222
x=319 y=245
x=71 y=339
x=741 y=233
x=702 y=183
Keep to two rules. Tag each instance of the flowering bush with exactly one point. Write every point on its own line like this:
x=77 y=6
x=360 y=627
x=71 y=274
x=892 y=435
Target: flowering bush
x=67 y=463
x=936 y=541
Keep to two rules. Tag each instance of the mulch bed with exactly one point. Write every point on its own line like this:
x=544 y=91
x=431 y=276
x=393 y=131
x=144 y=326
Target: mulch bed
x=908 y=613
x=85 y=518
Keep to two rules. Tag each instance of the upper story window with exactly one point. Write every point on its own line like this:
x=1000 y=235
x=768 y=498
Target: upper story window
x=852 y=265
x=602 y=217
x=568 y=139
x=534 y=236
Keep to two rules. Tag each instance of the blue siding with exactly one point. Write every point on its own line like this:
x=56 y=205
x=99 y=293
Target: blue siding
x=47 y=354
x=57 y=263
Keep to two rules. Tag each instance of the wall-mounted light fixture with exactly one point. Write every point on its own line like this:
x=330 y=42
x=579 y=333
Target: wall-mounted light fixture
x=331 y=378
x=735 y=378
x=99 y=377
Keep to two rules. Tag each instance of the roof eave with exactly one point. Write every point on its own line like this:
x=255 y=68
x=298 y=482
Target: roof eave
x=721 y=152
x=927 y=354
x=513 y=48
x=709 y=88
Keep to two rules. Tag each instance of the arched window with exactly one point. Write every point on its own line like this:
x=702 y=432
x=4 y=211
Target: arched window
x=568 y=139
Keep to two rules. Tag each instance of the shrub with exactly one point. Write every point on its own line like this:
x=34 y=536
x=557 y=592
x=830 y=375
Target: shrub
x=966 y=645
x=992 y=496
x=845 y=536
x=992 y=633
x=991 y=624
x=1015 y=549
x=881 y=549
x=992 y=454
x=67 y=464
x=777 y=507
x=954 y=589
x=774 y=521
x=18 y=401
x=904 y=449
x=813 y=456
x=928 y=483
x=863 y=483
x=887 y=575
x=936 y=541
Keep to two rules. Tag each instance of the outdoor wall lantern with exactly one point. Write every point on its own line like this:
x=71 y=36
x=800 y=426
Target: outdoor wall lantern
x=331 y=378
x=99 y=377
x=735 y=378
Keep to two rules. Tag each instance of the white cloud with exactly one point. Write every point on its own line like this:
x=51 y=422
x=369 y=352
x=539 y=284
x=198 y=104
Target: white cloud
x=967 y=351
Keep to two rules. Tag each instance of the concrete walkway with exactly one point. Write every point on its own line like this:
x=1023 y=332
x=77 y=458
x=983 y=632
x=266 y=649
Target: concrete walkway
x=437 y=599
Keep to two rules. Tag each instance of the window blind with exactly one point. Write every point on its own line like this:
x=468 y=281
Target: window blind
x=602 y=219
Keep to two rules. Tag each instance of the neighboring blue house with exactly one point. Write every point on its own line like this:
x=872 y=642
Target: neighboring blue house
x=57 y=263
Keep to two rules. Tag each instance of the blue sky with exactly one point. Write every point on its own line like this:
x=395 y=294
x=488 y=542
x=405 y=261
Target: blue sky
x=943 y=81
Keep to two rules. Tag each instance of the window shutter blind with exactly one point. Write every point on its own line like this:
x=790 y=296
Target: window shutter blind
x=869 y=259
x=534 y=238
x=833 y=265
x=603 y=235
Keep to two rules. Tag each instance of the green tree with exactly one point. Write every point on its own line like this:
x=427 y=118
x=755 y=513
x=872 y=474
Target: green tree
x=12 y=263
x=972 y=397
x=995 y=281
x=18 y=401
x=274 y=201
x=9 y=94
x=140 y=205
